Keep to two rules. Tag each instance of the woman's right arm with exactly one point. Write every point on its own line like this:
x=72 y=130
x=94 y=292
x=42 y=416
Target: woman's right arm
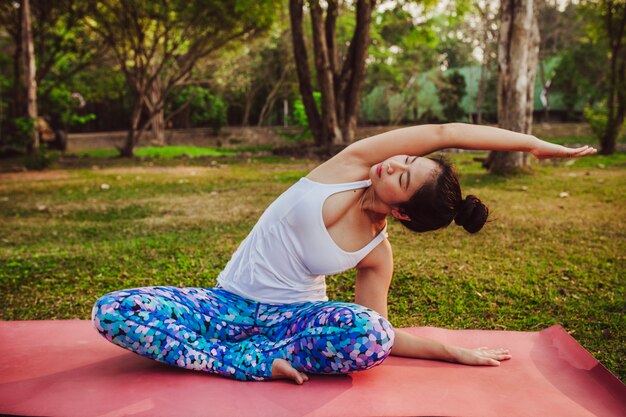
x=424 y=139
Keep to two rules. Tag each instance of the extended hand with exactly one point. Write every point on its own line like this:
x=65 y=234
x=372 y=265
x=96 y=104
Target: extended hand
x=481 y=356
x=550 y=150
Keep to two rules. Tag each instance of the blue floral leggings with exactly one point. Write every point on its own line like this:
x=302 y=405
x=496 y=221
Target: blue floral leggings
x=216 y=331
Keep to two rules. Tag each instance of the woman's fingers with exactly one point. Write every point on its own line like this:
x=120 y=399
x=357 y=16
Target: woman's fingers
x=496 y=354
x=558 y=151
x=583 y=151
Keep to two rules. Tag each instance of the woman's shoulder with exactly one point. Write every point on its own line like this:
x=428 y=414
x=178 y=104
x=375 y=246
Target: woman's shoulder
x=341 y=168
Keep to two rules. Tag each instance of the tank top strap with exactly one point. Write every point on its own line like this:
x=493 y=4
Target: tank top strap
x=373 y=243
x=344 y=186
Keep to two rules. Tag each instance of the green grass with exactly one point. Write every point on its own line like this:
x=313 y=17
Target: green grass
x=65 y=239
x=173 y=152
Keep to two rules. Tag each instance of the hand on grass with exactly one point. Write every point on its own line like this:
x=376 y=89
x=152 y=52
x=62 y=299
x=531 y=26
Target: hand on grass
x=482 y=356
x=550 y=150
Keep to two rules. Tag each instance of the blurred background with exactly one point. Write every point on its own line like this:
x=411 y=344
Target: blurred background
x=145 y=72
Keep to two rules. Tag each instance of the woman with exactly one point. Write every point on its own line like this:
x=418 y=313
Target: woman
x=269 y=316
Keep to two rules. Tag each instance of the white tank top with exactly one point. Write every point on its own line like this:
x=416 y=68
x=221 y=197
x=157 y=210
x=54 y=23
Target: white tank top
x=289 y=251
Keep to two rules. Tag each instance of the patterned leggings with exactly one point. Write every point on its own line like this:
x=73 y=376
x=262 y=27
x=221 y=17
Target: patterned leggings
x=216 y=331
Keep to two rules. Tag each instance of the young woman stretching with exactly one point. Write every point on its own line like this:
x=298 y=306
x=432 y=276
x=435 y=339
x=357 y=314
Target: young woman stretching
x=269 y=316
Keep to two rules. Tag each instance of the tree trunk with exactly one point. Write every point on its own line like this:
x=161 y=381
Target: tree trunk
x=18 y=108
x=30 y=83
x=616 y=105
x=302 y=69
x=158 y=129
x=353 y=70
x=330 y=124
x=486 y=64
x=518 y=50
x=154 y=105
x=545 y=84
x=271 y=98
x=480 y=96
x=340 y=88
x=128 y=150
x=247 y=106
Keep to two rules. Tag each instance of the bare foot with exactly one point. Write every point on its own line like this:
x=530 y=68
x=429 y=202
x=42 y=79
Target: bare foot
x=281 y=369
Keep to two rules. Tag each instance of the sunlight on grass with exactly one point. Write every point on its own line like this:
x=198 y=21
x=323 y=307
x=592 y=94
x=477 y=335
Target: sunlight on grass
x=161 y=152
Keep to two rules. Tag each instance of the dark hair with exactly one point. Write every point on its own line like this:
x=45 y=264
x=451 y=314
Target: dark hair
x=439 y=201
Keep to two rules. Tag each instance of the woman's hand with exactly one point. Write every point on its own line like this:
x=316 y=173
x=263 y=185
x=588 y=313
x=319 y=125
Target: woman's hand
x=414 y=346
x=545 y=150
x=481 y=356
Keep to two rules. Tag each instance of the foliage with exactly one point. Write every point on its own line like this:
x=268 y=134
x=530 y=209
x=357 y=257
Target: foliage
x=374 y=106
x=205 y=108
x=299 y=117
x=606 y=28
x=25 y=126
x=410 y=41
x=41 y=160
x=451 y=92
x=17 y=133
x=399 y=48
x=597 y=117
x=157 y=45
x=247 y=74
x=577 y=74
x=65 y=104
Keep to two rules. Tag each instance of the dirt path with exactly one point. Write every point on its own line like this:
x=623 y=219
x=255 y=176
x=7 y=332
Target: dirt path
x=59 y=174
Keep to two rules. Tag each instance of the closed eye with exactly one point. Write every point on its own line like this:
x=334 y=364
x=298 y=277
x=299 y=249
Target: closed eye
x=408 y=174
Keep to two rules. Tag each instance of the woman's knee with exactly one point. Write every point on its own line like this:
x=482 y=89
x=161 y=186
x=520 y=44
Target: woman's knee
x=364 y=341
x=376 y=340
x=119 y=305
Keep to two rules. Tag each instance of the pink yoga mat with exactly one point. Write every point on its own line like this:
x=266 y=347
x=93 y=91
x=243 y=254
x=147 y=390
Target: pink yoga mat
x=65 y=368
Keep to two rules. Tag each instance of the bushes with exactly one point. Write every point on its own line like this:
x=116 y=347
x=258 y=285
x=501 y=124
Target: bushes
x=200 y=107
x=41 y=160
x=299 y=113
x=451 y=92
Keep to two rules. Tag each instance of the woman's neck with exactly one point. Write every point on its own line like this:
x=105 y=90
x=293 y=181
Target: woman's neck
x=373 y=207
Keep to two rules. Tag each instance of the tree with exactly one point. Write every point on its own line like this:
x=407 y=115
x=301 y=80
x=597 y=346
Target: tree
x=66 y=51
x=405 y=43
x=256 y=76
x=338 y=82
x=15 y=18
x=30 y=82
x=158 y=43
x=614 y=16
x=451 y=92
x=518 y=51
x=487 y=39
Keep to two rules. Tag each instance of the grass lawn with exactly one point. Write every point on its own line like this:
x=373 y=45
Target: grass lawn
x=69 y=236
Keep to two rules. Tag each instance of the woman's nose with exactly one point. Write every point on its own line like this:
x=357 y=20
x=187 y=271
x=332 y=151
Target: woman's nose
x=393 y=166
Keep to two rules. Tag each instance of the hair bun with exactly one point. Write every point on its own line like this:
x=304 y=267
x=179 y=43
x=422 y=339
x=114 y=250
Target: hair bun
x=472 y=214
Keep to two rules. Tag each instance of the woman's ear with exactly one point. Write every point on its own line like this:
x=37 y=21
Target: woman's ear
x=399 y=214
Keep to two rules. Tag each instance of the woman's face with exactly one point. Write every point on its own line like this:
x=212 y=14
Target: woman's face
x=396 y=179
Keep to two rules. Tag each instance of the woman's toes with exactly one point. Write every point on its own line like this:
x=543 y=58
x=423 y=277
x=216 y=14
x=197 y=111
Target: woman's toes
x=281 y=369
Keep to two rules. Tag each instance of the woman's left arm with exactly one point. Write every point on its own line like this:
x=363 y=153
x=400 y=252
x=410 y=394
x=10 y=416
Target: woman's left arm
x=424 y=139
x=413 y=346
x=373 y=278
